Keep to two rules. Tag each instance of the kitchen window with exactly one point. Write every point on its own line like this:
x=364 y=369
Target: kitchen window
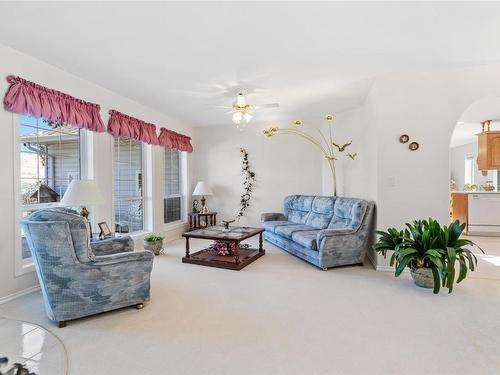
x=128 y=197
x=470 y=170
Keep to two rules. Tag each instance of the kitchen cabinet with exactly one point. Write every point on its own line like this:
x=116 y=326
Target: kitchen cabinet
x=488 y=150
x=459 y=208
x=479 y=210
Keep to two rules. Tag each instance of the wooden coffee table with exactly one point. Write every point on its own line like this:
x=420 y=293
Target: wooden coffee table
x=242 y=256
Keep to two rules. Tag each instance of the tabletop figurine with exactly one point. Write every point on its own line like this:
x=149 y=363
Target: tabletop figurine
x=195 y=207
x=226 y=223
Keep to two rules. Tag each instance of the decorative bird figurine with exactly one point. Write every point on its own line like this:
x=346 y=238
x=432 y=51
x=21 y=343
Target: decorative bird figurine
x=343 y=147
x=352 y=156
x=226 y=223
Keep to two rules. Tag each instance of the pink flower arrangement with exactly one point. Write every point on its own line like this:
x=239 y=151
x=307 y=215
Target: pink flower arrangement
x=224 y=247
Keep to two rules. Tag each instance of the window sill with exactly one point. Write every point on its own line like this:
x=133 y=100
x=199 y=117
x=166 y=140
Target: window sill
x=26 y=267
x=174 y=225
x=134 y=235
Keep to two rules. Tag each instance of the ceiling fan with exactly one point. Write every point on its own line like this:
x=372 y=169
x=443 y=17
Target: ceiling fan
x=242 y=111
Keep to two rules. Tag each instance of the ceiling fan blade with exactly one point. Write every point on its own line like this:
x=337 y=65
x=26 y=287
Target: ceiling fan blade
x=268 y=105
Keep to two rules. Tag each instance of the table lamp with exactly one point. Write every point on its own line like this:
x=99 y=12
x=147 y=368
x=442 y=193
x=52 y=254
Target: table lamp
x=83 y=193
x=202 y=189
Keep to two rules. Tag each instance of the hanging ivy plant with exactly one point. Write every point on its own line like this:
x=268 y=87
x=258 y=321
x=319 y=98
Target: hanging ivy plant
x=248 y=183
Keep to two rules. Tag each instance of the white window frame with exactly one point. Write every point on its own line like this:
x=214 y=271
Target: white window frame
x=470 y=166
x=25 y=266
x=145 y=152
x=182 y=189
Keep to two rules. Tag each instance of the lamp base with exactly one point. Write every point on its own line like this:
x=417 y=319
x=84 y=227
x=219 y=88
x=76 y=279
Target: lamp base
x=85 y=213
x=204 y=208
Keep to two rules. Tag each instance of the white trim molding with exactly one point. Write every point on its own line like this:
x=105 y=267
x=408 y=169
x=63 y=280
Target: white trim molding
x=21 y=293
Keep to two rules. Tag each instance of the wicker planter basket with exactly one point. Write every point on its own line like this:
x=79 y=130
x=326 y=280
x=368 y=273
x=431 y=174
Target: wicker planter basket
x=422 y=277
x=155 y=246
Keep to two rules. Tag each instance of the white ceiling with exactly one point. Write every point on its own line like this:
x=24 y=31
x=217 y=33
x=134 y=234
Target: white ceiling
x=469 y=124
x=181 y=58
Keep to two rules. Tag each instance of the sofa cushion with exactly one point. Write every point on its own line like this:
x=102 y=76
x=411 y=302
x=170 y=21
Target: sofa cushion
x=321 y=212
x=306 y=238
x=272 y=225
x=349 y=211
x=298 y=207
x=288 y=230
x=340 y=223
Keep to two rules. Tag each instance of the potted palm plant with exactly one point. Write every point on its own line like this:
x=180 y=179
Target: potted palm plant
x=153 y=242
x=430 y=251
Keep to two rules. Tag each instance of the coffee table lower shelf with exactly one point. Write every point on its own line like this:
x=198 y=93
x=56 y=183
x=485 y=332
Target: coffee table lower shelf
x=207 y=257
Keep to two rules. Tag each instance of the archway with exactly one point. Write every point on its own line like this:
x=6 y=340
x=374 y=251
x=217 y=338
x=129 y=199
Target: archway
x=475 y=190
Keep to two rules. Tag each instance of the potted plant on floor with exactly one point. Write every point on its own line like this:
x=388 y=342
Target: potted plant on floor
x=430 y=251
x=153 y=242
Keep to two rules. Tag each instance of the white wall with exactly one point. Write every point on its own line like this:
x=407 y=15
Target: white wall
x=15 y=63
x=283 y=165
x=355 y=178
x=426 y=106
x=457 y=166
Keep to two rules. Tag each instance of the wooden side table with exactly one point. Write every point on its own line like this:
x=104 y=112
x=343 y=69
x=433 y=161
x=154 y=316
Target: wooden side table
x=209 y=219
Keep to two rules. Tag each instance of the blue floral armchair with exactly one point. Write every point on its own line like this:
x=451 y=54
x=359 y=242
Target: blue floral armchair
x=78 y=279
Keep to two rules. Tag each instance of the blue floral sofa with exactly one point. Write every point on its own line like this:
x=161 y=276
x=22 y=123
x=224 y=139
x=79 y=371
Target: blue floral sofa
x=324 y=231
x=79 y=278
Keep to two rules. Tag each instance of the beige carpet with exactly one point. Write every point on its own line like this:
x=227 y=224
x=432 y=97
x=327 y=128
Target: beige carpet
x=281 y=315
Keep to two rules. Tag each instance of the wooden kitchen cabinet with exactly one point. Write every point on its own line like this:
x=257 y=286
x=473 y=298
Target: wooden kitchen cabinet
x=459 y=208
x=488 y=156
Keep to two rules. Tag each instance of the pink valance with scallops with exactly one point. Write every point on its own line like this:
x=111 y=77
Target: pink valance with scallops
x=171 y=139
x=122 y=125
x=26 y=97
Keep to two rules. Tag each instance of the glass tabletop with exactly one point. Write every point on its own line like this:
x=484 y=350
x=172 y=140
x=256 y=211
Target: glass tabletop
x=219 y=232
x=32 y=346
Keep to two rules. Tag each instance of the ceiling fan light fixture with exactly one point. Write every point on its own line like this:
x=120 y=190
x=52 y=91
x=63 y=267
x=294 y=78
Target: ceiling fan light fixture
x=240 y=100
x=247 y=117
x=237 y=117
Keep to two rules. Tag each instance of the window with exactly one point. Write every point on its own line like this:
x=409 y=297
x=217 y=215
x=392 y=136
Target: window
x=128 y=185
x=172 y=201
x=470 y=170
x=49 y=160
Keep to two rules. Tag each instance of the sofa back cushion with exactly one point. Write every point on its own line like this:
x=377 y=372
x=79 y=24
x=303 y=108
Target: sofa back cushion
x=321 y=212
x=348 y=213
x=298 y=207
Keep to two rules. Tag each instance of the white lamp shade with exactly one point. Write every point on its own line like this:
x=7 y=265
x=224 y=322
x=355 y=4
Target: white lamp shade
x=82 y=193
x=202 y=189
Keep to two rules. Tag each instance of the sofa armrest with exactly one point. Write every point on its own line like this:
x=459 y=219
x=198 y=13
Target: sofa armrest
x=272 y=216
x=112 y=246
x=339 y=240
x=131 y=256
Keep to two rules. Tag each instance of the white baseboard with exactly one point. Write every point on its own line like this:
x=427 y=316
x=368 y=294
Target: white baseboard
x=21 y=293
x=372 y=261
x=175 y=233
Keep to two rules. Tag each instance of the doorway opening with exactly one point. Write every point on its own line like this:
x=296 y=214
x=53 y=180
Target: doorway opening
x=475 y=181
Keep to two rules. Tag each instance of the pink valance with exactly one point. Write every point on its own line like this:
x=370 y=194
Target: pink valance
x=32 y=99
x=122 y=125
x=171 y=139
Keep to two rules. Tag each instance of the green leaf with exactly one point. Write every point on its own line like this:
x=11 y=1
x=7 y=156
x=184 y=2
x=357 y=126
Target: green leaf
x=435 y=276
x=463 y=270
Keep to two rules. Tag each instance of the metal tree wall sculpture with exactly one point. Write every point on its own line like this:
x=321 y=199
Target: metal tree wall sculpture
x=327 y=146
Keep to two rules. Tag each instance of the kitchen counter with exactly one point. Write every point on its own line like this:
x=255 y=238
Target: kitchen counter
x=475 y=192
